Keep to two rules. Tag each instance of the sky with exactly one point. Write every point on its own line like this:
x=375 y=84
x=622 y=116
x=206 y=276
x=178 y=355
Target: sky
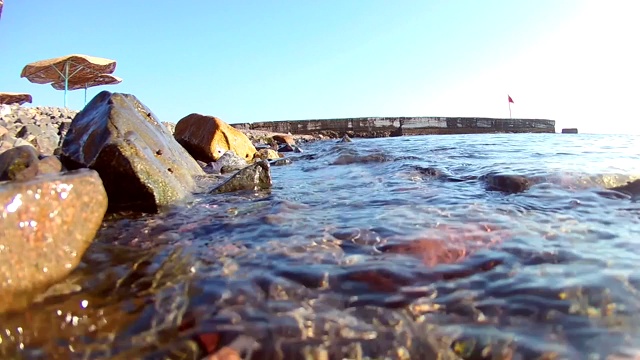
x=573 y=61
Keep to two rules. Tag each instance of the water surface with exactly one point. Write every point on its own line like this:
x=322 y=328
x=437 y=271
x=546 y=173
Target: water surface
x=380 y=248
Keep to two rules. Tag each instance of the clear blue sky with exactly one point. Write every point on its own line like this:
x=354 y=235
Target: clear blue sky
x=574 y=61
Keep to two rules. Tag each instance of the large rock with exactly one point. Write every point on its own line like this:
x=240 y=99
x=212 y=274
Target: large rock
x=142 y=167
x=207 y=138
x=45 y=227
x=253 y=177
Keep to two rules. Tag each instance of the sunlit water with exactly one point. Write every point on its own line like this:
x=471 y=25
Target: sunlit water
x=359 y=250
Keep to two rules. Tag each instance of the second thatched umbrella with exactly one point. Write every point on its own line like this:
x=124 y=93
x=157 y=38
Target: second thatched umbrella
x=102 y=79
x=79 y=68
x=8 y=98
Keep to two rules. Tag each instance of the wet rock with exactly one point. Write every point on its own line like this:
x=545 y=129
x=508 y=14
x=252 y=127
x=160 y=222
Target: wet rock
x=206 y=138
x=229 y=162
x=284 y=139
x=142 y=167
x=507 y=183
x=253 y=177
x=267 y=154
x=289 y=148
x=281 y=162
x=345 y=139
x=45 y=227
x=631 y=188
x=19 y=163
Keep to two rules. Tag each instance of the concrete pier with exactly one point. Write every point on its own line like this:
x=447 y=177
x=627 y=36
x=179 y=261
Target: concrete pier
x=396 y=126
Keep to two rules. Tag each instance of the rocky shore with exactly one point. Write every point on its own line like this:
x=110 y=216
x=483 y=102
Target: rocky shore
x=62 y=171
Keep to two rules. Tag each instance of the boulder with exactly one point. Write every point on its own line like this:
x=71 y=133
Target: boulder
x=289 y=148
x=345 y=138
x=46 y=225
x=507 y=183
x=141 y=165
x=252 y=177
x=19 y=163
x=206 y=138
x=284 y=139
x=267 y=154
x=631 y=188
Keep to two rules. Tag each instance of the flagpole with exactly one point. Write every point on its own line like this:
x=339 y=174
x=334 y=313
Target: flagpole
x=509 y=109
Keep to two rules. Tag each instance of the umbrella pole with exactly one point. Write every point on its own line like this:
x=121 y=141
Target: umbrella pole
x=85 y=94
x=66 y=81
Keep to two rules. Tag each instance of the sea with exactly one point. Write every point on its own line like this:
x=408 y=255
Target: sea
x=389 y=248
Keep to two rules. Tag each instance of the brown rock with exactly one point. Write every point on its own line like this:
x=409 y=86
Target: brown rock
x=206 y=138
x=19 y=163
x=49 y=165
x=141 y=165
x=46 y=225
x=284 y=139
x=510 y=184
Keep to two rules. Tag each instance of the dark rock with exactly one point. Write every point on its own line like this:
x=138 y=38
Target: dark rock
x=120 y=138
x=396 y=132
x=345 y=138
x=281 y=162
x=507 y=183
x=36 y=248
x=252 y=177
x=631 y=188
x=19 y=163
x=289 y=148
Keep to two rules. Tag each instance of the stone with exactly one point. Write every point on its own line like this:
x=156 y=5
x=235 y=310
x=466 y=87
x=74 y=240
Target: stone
x=507 y=183
x=253 y=177
x=345 y=139
x=29 y=129
x=49 y=165
x=281 y=162
x=397 y=132
x=230 y=162
x=289 y=148
x=3 y=130
x=267 y=154
x=46 y=225
x=19 y=163
x=141 y=165
x=206 y=138
x=284 y=139
x=47 y=142
x=631 y=188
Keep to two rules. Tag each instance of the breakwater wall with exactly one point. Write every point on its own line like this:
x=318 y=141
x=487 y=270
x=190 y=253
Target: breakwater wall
x=397 y=126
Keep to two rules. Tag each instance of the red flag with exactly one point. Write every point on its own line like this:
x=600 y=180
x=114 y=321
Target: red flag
x=510 y=99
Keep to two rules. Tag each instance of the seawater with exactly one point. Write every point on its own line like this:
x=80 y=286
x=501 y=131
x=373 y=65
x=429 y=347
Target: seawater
x=379 y=248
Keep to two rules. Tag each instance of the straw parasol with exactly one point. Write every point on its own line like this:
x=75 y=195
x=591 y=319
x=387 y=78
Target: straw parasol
x=79 y=69
x=1 y=3
x=101 y=79
x=14 y=98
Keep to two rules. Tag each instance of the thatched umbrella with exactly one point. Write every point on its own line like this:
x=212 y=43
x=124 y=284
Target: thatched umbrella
x=14 y=98
x=102 y=79
x=1 y=3
x=78 y=68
